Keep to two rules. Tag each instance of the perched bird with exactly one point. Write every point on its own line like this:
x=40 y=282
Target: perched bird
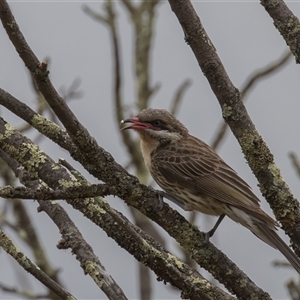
x=196 y=178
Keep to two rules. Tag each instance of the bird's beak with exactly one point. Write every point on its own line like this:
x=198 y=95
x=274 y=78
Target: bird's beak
x=135 y=123
x=127 y=126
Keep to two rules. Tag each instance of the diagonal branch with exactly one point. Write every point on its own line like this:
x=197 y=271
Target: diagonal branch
x=39 y=122
x=263 y=72
x=286 y=23
x=73 y=239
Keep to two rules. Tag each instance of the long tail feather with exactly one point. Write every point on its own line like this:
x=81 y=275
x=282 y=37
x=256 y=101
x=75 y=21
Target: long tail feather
x=270 y=236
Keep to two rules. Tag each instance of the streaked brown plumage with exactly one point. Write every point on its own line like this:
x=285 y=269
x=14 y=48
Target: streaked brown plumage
x=195 y=176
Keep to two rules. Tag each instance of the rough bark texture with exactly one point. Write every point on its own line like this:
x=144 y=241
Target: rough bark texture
x=286 y=22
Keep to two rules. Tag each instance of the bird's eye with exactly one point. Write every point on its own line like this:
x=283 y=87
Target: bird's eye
x=157 y=123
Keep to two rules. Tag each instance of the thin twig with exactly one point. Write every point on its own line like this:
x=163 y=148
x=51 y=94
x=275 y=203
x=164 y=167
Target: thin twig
x=253 y=79
x=8 y=246
x=295 y=162
x=178 y=97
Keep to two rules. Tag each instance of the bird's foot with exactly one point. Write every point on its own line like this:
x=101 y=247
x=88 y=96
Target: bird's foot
x=210 y=233
x=161 y=195
x=160 y=203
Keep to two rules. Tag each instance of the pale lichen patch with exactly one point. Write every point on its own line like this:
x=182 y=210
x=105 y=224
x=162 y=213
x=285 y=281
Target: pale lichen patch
x=44 y=125
x=227 y=111
x=31 y=156
x=68 y=183
x=176 y=260
x=9 y=131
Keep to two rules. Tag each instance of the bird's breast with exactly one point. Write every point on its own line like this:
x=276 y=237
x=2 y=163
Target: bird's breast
x=148 y=145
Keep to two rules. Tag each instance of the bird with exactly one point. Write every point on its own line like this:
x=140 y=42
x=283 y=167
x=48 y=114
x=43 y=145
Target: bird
x=196 y=178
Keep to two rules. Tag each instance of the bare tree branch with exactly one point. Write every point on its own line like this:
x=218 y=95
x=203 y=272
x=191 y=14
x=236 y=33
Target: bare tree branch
x=265 y=71
x=286 y=23
x=37 y=121
x=24 y=228
x=8 y=246
x=295 y=162
x=179 y=96
x=89 y=262
x=143 y=16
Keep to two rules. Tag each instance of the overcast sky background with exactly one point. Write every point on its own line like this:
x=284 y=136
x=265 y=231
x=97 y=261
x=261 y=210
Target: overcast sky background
x=245 y=39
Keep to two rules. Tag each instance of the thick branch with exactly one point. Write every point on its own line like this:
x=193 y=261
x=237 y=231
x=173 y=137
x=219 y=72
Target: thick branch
x=39 y=122
x=286 y=22
x=43 y=193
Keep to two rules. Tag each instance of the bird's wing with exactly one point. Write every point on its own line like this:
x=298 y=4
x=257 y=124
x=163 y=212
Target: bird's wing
x=195 y=167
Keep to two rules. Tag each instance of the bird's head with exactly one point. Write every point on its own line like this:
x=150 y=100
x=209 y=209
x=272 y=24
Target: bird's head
x=157 y=124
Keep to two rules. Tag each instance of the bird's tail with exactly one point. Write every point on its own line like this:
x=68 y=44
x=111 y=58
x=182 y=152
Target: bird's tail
x=264 y=227
x=269 y=235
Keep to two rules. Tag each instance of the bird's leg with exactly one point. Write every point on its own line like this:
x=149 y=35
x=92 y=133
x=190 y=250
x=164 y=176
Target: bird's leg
x=162 y=194
x=210 y=233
